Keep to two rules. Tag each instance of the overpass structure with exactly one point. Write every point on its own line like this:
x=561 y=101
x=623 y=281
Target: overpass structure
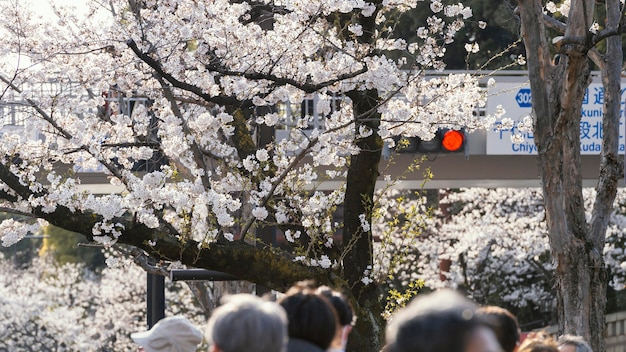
x=489 y=159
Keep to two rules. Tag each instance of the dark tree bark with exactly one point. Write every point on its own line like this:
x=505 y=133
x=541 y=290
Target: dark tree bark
x=557 y=95
x=360 y=185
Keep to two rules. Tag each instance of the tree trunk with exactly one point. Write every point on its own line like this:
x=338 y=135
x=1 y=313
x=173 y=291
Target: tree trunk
x=360 y=185
x=369 y=332
x=557 y=96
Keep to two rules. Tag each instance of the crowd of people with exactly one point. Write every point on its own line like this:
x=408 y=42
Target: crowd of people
x=308 y=318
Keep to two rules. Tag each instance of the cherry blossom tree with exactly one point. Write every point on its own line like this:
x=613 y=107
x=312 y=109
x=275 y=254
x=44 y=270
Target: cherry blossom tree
x=590 y=32
x=49 y=307
x=494 y=244
x=179 y=103
x=502 y=258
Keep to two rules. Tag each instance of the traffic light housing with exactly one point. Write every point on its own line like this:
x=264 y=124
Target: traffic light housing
x=445 y=141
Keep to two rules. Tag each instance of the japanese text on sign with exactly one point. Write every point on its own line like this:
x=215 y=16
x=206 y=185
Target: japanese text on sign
x=516 y=100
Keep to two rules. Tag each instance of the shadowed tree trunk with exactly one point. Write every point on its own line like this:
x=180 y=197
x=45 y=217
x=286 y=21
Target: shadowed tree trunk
x=361 y=181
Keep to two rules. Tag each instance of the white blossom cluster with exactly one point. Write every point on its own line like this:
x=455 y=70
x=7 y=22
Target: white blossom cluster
x=51 y=307
x=494 y=242
x=562 y=8
x=77 y=74
x=13 y=231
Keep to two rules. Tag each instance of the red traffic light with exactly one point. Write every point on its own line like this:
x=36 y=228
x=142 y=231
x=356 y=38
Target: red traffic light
x=452 y=140
x=444 y=141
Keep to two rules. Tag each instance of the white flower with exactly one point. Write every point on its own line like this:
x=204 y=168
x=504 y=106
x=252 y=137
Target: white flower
x=329 y=242
x=517 y=138
x=500 y=111
x=507 y=123
x=472 y=48
x=466 y=13
x=249 y=163
x=551 y=7
x=288 y=236
x=262 y=155
x=357 y=29
x=325 y=262
x=229 y=236
x=595 y=27
x=281 y=217
x=482 y=24
x=112 y=262
x=436 y=6
x=368 y=9
x=364 y=224
x=364 y=131
x=526 y=125
x=260 y=213
x=256 y=100
x=366 y=280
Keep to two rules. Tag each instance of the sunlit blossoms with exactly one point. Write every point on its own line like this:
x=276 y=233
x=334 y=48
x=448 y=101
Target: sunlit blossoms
x=186 y=128
x=503 y=256
x=51 y=307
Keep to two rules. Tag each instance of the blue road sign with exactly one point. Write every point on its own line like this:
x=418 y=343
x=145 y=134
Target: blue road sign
x=523 y=98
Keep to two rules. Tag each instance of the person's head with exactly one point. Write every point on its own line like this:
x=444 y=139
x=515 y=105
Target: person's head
x=440 y=321
x=538 y=342
x=345 y=316
x=311 y=317
x=504 y=324
x=246 y=322
x=171 y=334
x=573 y=343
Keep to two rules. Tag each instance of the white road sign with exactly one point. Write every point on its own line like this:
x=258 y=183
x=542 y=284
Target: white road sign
x=515 y=98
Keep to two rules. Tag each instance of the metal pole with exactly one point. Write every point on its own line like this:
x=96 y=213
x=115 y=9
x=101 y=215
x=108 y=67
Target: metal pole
x=199 y=274
x=155 y=298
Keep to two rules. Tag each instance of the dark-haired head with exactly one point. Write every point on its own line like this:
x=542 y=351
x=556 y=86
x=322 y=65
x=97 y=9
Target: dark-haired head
x=310 y=317
x=504 y=324
x=344 y=310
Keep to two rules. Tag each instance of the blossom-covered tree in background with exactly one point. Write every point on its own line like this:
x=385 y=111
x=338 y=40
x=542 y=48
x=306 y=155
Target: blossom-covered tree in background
x=51 y=307
x=180 y=102
x=493 y=239
x=489 y=243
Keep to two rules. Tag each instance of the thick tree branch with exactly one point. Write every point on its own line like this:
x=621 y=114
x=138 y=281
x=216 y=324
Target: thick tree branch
x=305 y=87
x=260 y=265
x=156 y=66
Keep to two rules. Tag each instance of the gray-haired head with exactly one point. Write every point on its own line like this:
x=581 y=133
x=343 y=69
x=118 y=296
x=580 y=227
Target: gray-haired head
x=577 y=341
x=246 y=322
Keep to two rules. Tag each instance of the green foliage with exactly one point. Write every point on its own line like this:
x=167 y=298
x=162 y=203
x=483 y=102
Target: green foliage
x=398 y=299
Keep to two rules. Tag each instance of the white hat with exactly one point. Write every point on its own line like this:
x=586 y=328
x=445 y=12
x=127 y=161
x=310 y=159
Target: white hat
x=171 y=334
